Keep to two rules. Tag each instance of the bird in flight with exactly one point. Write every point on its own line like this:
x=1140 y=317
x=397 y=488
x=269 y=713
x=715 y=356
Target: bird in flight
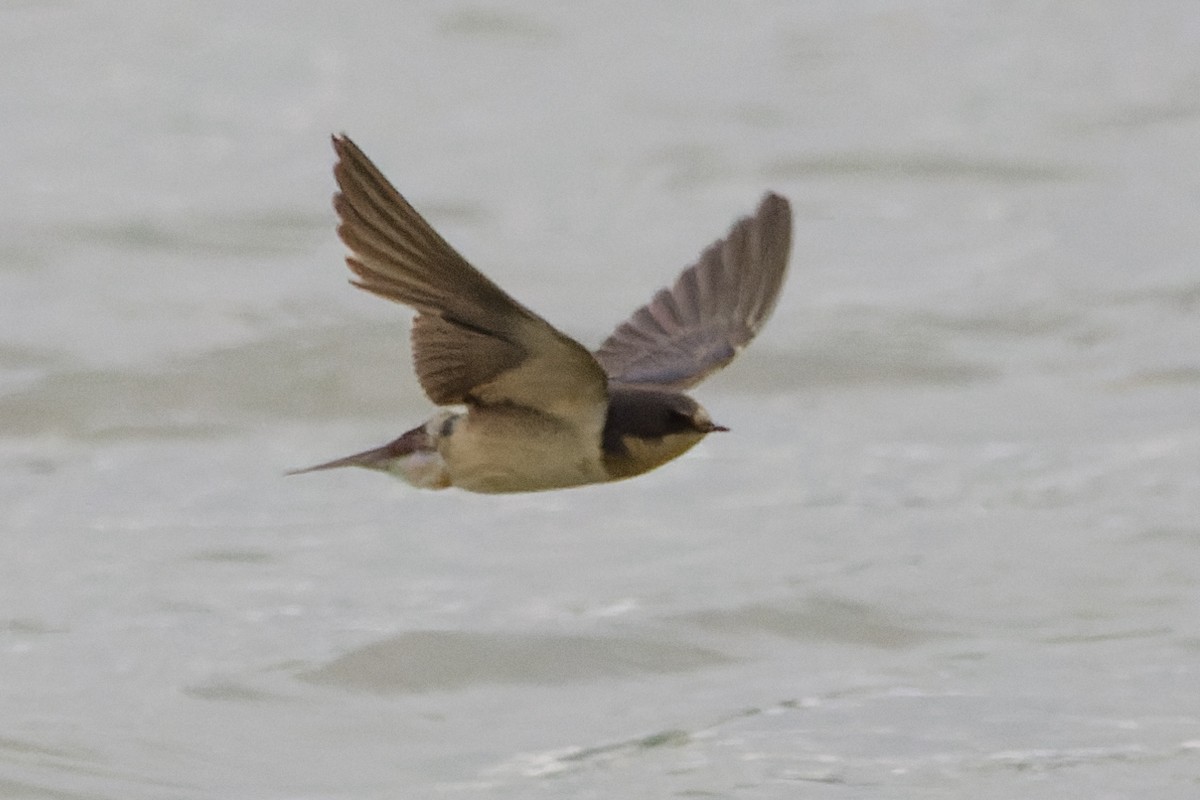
x=541 y=411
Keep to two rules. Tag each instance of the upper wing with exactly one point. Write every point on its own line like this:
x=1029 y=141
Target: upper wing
x=472 y=343
x=714 y=309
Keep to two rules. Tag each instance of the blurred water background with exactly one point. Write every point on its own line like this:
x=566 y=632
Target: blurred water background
x=950 y=549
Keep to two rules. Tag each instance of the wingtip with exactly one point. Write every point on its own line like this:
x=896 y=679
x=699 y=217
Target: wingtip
x=344 y=147
x=774 y=218
x=772 y=201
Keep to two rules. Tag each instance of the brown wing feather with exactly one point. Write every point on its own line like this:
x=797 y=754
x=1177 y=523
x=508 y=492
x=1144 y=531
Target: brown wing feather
x=715 y=308
x=471 y=342
x=451 y=360
x=401 y=257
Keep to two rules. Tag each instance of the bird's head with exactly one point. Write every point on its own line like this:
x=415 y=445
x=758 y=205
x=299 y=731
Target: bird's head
x=646 y=428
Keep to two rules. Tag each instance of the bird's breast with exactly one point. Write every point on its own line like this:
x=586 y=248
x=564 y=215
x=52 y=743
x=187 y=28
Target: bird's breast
x=633 y=455
x=506 y=449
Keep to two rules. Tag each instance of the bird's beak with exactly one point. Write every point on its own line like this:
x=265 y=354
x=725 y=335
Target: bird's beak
x=715 y=428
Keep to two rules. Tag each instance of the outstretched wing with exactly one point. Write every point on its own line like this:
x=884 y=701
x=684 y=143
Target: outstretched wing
x=472 y=343
x=714 y=309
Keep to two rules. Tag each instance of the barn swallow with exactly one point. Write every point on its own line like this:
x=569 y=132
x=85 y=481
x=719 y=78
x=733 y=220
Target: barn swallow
x=541 y=411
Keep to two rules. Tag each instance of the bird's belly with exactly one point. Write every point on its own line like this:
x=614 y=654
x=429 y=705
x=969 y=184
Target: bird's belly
x=505 y=456
x=424 y=469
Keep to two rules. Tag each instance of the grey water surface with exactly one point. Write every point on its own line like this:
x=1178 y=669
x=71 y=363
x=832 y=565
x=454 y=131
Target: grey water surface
x=951 y=547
